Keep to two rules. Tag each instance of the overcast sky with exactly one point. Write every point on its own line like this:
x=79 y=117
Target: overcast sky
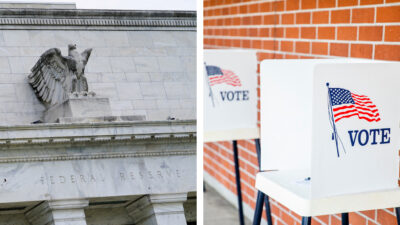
x=126 y=4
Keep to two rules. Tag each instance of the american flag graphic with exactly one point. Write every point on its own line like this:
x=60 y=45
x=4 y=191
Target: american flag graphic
x=217 y=75
x=346 y=104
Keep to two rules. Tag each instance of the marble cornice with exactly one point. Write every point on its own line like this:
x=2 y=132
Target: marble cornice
x=143 y=131
x=41 y=126
x=97 y=19
x=48 y=158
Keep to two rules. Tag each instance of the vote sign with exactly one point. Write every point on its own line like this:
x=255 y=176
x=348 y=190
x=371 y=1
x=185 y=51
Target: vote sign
x=358 y=145
x=230 y=95
x=341 y=122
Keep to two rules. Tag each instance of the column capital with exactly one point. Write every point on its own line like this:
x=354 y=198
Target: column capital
x=150 y=208
x=58 y=212
x=167 y=198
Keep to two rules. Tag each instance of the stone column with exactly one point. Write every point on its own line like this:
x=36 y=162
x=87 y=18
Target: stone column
x=58 y=212
x=159 y=209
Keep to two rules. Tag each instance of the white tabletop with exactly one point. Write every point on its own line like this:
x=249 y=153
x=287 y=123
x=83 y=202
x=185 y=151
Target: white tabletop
x=290 y=189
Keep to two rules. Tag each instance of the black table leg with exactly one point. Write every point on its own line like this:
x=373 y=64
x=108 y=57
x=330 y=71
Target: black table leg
x=266 y=198
x=345 y=218
x=238 y=186
x=261 y=197
x=398 y=215
x=306 y=221
x=268 y=210
x=259 y=208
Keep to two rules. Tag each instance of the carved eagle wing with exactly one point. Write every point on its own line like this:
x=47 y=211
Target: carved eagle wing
x=85 y=55
x=48 y=77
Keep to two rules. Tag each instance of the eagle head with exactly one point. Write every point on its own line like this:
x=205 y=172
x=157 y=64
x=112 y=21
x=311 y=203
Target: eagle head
x=71 y=47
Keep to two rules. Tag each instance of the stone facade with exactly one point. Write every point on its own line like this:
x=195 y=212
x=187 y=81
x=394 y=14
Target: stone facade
x=144 y=62
x=135 y=164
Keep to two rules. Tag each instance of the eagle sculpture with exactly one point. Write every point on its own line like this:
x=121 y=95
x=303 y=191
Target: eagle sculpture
x=55 y=77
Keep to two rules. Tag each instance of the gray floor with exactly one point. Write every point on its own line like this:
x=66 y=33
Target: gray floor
x=218 y=211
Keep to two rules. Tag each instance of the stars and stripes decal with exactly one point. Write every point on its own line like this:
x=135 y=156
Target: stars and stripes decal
x=346 y=104
x=217 y=75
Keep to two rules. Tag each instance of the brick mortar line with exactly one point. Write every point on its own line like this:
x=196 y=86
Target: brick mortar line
x=224 y=158
x=248 y=150
x=285 y=210
x=249 y=141
x=272 y=51
x=249 y=163
x=243 y=182
x=218 y=172
x=366 y=217
x=320 y=221
x=326 y=25
x=289 y=213
x=247 y=194
x=246 y=171
x=255 y=167
x=250 y=153
x=316 y=25
x=391 y=213
x=308 y=10
x=363 y=216
x=222 y=147
x=301 y=40
x=223 y=178
x=239 y=4
x=231 y=162
x=278 y=205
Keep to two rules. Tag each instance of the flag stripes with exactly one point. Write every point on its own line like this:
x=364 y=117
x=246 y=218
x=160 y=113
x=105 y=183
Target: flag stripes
x=227 y=77
x=362 y=106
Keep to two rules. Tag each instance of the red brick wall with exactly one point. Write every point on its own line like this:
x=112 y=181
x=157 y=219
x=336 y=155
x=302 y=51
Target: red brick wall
x=297 y=29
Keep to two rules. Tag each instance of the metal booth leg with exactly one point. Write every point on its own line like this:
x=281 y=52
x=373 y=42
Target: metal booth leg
x=261 y=197
x=268 y=210
x=238 y=187
x=306 y=221
x=259 y=208
x=345 y=218
x=398 y=215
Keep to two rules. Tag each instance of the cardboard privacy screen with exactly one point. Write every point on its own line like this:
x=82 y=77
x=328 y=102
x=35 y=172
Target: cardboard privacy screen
x=230 y=95
x=335 y=120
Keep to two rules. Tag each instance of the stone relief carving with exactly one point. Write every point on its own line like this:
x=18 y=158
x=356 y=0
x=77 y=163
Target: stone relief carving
x=55 y=78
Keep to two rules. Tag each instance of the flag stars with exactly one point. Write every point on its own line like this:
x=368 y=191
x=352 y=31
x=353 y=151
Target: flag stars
x=340 y=96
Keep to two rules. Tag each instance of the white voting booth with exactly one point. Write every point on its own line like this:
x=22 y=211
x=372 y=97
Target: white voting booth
x=230 y=101
x=330 y=134
x=230 y=95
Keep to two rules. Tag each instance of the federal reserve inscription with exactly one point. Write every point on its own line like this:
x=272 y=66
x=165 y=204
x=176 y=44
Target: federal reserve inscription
x=71 y=179
x=159 y=174
x=122 y=176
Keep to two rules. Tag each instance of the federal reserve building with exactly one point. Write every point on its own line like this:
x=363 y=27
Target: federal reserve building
x=97 y=116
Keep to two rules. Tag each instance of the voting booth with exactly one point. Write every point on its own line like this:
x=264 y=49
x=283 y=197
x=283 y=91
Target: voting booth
x=230 y=102
x=330 y=135
x=230 y=95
